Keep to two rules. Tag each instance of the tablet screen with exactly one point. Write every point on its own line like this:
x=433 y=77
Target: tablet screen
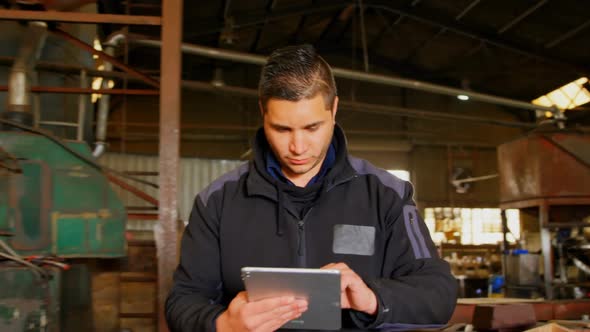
x=321 y=289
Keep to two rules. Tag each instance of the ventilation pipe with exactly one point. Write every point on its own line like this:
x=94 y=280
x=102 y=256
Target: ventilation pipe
x=104 y=102
x=18 y=108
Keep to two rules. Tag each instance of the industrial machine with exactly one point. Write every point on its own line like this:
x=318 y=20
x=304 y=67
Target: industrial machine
x=547 y=176
x=57 y=210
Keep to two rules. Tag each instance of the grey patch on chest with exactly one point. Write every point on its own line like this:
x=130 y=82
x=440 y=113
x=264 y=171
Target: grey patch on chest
x=354 y=240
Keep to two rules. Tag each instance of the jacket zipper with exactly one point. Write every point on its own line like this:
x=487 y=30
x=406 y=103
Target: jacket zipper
x=301 y=252
x=301 y=243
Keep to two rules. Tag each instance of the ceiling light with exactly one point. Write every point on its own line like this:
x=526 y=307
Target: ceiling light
x=463 y=97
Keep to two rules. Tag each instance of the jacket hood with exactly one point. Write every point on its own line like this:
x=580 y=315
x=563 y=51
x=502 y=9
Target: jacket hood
x=261 y=183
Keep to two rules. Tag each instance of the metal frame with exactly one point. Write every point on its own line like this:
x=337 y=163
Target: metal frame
x=166 y=234
x=116 y=63
x=426 y=18
x=85 y=18
x=522 y=16
x=132 y=189
x=567 y=35
x=470 y=33
x=73 y=90
x=442 y=30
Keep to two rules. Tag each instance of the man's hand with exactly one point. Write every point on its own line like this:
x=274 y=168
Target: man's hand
x=355 y=294
x=260 y=316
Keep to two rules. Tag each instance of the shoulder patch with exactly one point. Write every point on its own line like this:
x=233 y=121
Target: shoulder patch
x=217 y=184
x=363 y=167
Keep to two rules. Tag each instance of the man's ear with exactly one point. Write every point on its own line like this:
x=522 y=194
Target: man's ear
x=334 y=108
x=260 y=108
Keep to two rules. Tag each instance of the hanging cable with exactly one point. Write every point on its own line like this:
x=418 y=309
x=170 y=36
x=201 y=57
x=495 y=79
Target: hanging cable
x=13 y=256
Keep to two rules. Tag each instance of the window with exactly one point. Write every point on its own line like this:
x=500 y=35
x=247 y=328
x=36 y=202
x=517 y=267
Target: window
x=471 y=226
x=404 y=175
x=568 y=96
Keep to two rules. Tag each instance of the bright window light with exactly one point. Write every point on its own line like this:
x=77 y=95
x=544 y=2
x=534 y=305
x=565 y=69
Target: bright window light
x=404 y=175
x=568 y=96
x=471 y=226
x=463 y=97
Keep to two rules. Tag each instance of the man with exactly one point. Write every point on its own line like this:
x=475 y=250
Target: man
x=304 y=202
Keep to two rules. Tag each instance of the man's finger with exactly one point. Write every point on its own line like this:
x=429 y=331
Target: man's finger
x=269 y=304
x=259 y=313
x=276 y=323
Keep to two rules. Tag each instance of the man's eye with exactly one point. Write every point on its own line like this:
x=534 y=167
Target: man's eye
x=282 y=130
x=313 y=128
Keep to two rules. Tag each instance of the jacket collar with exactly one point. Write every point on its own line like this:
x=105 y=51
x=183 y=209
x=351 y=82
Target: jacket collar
x=259 y=182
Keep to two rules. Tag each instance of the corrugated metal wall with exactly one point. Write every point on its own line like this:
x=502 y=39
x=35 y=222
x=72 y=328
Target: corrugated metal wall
x=195 y=175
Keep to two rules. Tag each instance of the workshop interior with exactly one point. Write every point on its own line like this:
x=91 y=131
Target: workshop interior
x=115 y=114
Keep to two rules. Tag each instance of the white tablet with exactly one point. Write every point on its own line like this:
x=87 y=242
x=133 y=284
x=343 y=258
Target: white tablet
x=321 y=288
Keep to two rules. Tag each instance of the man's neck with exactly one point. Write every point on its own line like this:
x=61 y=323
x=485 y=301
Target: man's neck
x=301 y=180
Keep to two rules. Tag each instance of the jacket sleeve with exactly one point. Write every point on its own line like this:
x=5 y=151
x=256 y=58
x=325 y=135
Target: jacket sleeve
x=193 y=302
x=419 y=287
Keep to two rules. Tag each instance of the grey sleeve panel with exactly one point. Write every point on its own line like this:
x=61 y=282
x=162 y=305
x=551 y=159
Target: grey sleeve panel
x=233 y=175
x=411 y=220
x=363 y=167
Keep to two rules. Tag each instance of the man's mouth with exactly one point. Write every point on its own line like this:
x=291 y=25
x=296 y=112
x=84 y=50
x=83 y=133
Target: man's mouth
x=298 y=161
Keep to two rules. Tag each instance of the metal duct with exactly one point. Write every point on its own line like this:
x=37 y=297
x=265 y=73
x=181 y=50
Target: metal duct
x=104 y=101
x=19 y=82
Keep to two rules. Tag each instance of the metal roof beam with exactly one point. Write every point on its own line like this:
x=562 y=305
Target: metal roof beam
x=74 y=17
x=452 y=25
x=522 y=16
x=568 y=34
x=467 y=9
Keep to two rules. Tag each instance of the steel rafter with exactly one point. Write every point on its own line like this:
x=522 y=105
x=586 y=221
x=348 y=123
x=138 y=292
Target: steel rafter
x=522 y=16
x=74 y=17
x=456 y=27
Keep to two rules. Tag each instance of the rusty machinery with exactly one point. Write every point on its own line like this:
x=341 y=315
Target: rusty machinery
x=547 y=176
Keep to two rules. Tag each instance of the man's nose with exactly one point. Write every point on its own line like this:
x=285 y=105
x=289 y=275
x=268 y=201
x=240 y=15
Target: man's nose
x=297 y=145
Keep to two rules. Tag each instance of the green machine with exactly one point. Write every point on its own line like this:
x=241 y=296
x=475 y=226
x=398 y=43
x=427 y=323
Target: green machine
x=60 y=221
x=56 y=203
x=56 y=207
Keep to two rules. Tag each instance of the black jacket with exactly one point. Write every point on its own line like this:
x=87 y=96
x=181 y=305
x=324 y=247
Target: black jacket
x=357 y=214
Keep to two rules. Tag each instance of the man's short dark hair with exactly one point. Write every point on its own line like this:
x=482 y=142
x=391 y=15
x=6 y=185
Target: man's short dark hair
x=294 y=73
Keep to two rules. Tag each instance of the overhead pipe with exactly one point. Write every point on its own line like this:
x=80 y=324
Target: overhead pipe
x=104 y=102
x=365 y=107
x=228 y=55
x=22 y=73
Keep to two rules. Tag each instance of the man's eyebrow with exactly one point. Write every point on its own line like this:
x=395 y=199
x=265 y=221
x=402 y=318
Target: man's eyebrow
x=279 y=126
x=307 y=126
x=314 y=124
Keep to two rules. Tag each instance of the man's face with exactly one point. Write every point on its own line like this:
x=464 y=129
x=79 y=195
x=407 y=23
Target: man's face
x=299 y=134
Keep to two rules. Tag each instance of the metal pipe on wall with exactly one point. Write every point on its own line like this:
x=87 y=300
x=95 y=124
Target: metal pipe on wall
x=104 y=102
x=228 y=55
x=365 y=107
x=82 y=99
x=22 y=73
